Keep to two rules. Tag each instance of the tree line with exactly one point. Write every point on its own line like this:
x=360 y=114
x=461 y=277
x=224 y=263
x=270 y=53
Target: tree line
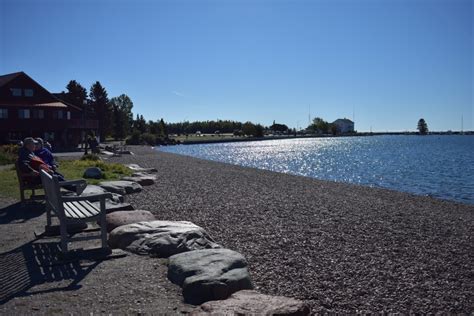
x=116 y=118
x=114 y=115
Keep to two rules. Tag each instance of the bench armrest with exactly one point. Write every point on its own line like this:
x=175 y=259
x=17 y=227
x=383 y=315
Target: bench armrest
x=92 y=197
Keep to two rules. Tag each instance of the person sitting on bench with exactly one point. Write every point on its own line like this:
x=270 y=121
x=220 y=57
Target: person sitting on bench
x=45 y=154
x=30 y=165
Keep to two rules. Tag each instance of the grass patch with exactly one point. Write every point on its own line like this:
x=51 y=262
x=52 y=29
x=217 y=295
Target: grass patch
x=71 y=169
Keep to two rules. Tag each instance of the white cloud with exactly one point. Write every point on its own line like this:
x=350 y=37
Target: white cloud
x=179 y=94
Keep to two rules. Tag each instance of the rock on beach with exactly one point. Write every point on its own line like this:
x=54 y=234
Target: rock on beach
x=141 y=180
x=209 y=274
x=121 y=187
x=250 y=302
x=160 y=238
x=122 y=218
x=93 y=172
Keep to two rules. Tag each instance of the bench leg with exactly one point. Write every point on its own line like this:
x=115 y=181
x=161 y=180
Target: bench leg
x=103 y=232
x=103 y=224
x=22 y=196
x=63 y=230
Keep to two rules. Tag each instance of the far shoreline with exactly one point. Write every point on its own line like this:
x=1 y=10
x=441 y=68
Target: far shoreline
x=219 y=139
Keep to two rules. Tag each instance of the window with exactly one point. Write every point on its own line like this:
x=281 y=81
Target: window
x=24 y=114
x=16 y=92
x=28 y=92
x=68 y=115
x=59 y=115
x=3 y=113
x=38 y=114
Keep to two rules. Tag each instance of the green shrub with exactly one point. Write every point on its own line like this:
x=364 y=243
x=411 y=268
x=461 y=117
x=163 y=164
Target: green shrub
x=134 y=139
x=8 y=154
x=144 y=139
x=148 y=139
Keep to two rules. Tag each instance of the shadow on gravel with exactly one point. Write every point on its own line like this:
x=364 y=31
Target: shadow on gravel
x=16 y=213
x=25 y=269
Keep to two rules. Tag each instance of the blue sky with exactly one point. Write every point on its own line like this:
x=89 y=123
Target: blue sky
x=389 y=61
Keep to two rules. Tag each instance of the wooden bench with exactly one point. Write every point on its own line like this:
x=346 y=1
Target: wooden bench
x=73 y=209
x=24 y=181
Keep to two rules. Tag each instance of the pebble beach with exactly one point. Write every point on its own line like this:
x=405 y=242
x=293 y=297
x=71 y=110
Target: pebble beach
x=340 y=247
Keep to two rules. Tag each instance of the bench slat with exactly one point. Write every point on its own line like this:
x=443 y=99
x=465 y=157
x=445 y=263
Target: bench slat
x=80 y=209
x=91 y=207
x=70 y=211
x=87 y=207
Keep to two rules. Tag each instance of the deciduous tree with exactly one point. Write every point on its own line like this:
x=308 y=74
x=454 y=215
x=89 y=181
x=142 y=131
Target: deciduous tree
x=122 y=116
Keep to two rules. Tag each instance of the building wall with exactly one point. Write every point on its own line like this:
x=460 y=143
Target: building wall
x=344 y=126
x=63 y=126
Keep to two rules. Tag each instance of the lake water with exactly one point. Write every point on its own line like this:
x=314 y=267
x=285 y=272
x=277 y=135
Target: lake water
x=440 y=166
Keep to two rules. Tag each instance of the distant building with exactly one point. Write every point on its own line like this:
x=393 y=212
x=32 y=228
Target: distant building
x=28 y=109
x=344 y=126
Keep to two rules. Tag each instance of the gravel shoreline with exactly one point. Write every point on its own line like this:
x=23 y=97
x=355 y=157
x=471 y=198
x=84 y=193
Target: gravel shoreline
x=340 y=247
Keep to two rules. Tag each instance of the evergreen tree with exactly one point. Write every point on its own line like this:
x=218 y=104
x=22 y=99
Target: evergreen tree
x=76 y=94
x=140 y=124
x=163 y=129
x=422 y=127
x=99 y=101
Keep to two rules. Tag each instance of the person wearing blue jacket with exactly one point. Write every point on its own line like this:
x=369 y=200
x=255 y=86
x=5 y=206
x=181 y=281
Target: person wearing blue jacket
x=45 y=154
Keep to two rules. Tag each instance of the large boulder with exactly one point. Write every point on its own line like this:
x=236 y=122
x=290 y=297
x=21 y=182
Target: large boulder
x=137 y=168
x=249 y=302
x=92 y=189
x=121 y=187
x=160 y=238
x=209 y=274
x=117 y=219
x=93 y=173
x=112 y=205
x=141 y=180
